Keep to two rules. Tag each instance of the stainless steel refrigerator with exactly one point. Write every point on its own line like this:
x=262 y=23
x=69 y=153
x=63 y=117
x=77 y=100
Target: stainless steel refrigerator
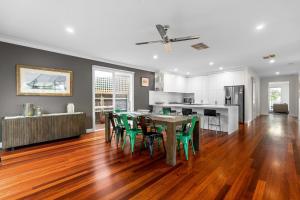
x=235 y=95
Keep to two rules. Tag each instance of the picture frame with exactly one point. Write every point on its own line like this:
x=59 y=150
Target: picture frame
x=43 y=81
x=145 y=82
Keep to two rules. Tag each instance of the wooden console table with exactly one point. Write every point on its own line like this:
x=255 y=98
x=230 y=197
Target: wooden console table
x=19 y=131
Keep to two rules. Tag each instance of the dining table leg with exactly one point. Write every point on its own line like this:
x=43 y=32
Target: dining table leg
x=107 y=128
x=171 y=144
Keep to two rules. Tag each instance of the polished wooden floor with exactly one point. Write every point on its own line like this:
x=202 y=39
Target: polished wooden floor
x=261 y=161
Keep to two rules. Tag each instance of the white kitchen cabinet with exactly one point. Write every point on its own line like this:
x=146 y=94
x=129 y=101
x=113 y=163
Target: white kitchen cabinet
x=175 y=83
x=198 y=86
x=207 y=89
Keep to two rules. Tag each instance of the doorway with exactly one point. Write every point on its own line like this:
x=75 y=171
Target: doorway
x=112 y=89
x=253 y=83
x=278 y=94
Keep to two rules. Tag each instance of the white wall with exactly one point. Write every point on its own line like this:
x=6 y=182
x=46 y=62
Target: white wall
x=293 y=92
x=299 y=97
x=249 y=115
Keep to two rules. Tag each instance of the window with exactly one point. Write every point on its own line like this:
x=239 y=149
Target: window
x=274 y=97
x=112 y=90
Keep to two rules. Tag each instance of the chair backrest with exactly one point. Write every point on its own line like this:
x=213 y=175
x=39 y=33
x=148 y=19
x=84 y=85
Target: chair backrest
x=117 y=120
x=124 y=119
x=187 y=111
x=191 y=126
x=209 y=112
x=144 y=122
x=112 y=121
x=166 y=110
x=117 y=110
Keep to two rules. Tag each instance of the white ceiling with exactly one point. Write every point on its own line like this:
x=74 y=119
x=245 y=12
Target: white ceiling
x=109 y=29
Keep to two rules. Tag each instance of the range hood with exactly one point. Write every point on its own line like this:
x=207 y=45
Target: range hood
x=159 y=81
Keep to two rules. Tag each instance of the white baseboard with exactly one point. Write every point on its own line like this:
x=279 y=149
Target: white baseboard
x=89 y=130
x=0 y=145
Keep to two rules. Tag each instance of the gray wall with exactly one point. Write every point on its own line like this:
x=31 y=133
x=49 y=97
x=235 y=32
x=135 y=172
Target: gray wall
x=11 y=105
x=293 y=92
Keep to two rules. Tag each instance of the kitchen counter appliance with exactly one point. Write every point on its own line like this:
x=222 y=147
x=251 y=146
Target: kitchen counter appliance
x=188 y=100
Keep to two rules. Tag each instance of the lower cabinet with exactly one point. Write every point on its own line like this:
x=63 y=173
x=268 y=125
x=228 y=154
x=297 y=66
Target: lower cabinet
x=22 y=131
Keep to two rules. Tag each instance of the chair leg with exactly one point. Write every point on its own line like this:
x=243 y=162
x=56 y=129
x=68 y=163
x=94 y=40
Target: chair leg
x=162 y=138
x=132 y=142
x=178 y=145
x=186 y=150
x=193 y=148
x=143 y=142
x=122 y=134
x=124 y=142
x=112 y=134
x=150 y=144
x=158 y=142
x=117 y=137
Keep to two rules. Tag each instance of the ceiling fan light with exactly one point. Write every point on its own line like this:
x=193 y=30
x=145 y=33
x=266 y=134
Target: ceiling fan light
x=168 y=47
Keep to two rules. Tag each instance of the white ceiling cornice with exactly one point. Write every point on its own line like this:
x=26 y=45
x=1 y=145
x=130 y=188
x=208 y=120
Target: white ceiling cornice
x=12 y=40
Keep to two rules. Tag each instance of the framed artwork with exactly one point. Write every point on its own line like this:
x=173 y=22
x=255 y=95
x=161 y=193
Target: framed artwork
x=145 y=82
x=42 y=81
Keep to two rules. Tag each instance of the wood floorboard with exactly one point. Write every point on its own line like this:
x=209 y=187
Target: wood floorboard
x=260 y=161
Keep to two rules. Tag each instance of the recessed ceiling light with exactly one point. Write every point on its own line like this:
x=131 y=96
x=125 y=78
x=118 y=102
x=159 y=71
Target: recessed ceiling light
x=277 y=73
x=188 y=73
x=272 y=61
x=260 y=27
x=70 y=30
x=211 y=63
x=155 y=57
x=221 y=68
x=175 y=70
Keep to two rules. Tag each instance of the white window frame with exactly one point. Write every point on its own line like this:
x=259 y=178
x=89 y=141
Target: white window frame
x=107 y=69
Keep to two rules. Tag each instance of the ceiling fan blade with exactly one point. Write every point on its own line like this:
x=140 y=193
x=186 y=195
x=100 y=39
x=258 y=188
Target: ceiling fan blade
x=149 y=42
x=168 y=47
x=161 y=30
x=184 y=38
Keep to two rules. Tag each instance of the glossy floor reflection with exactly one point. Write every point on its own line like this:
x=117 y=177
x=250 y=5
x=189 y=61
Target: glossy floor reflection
x=261 y=161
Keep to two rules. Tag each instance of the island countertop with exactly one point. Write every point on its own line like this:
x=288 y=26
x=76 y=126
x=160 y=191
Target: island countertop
x=229 y=114
x=196 y=106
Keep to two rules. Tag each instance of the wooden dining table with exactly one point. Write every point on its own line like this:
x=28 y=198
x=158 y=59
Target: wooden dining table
x=171 y=122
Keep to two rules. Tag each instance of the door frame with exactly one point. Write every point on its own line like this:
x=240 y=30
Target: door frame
x=107 y=69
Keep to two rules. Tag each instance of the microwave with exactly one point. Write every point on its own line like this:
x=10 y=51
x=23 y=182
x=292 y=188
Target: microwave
x=188 y=100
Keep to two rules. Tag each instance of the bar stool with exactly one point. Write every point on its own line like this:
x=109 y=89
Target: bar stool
x=213 y=114
x=186 y=111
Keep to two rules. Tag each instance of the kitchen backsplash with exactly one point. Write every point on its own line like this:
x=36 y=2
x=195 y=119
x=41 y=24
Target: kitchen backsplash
x=167 y=97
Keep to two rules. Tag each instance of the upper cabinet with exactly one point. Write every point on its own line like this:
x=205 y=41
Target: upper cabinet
x=175 y=83
x=210 y=89
x=207 y=89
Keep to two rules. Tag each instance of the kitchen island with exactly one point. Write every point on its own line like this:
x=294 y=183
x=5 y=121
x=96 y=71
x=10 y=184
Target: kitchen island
x=229 y=115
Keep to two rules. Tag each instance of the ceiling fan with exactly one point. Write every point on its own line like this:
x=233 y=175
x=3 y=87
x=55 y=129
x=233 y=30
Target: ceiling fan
x=165 y=40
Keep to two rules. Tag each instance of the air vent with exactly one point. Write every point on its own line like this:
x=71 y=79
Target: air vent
x=269 y=56
x=200 y=46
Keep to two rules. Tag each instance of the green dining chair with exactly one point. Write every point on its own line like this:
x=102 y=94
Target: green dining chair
x=162 y=128
x=119 y=128
x=166 y=111
x=117 y=110
x=130 y=132
x=186 y=137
